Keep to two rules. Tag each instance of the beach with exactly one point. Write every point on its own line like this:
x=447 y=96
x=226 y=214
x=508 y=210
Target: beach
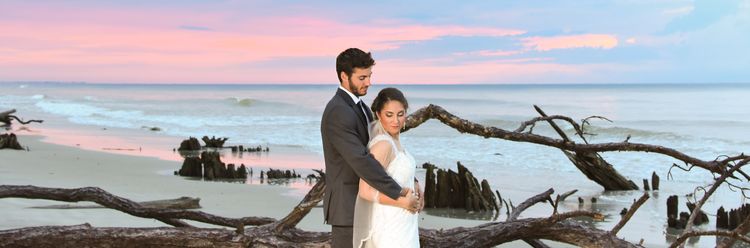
x=96 y=135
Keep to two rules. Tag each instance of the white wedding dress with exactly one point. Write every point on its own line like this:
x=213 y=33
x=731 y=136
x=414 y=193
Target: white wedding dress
x=378 y=225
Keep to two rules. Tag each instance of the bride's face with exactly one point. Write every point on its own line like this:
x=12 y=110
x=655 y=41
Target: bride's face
x=392 y=116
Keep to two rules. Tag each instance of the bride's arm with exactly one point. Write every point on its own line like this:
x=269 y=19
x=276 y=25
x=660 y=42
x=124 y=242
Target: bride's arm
x=382 y=151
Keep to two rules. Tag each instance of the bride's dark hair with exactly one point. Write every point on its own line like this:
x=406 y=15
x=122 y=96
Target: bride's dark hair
x=385 y=95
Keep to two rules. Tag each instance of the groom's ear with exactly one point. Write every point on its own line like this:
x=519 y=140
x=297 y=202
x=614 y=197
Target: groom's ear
x=343 y=77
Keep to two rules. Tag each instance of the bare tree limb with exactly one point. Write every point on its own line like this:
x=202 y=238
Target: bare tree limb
x=530 y=202
x=303 y=208
x=716 y=184
x=94 y=194
x=634 y=207
x=465 y=126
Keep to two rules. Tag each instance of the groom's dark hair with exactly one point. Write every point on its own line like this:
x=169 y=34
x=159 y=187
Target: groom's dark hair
x=352 y=58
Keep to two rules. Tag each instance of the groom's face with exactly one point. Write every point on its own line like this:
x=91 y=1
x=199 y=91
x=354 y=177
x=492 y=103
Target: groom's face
x=359 y=82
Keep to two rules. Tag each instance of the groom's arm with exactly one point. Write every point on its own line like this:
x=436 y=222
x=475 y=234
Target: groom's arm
x=343 y=136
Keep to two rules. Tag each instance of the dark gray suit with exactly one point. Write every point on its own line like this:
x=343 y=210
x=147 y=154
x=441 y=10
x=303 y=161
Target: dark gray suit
x=345 y=137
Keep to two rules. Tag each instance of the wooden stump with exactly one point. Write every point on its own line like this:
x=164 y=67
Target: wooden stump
x=672 y=216
x=654 y=181
x=190 y=144
x=430 y=192
x=443 y=189
x=191 y=167
x=458 y=190
x=488 y=196
x=702 y=218
x=9 y=141
x=645 y=185
x=722 y=218
x=214 y=142
x=734 y=219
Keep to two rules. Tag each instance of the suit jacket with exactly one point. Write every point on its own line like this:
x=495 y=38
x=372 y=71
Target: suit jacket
x=347 y=159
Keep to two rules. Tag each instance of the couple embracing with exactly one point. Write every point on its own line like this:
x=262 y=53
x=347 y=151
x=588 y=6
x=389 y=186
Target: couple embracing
x=372 y=196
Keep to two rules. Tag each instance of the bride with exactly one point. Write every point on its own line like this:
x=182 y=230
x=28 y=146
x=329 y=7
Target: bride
x=380 y=221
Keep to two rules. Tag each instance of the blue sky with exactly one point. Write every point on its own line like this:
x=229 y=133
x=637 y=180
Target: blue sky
x=670 y=41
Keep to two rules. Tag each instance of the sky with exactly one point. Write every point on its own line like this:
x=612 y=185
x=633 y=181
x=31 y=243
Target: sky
x=413 y=42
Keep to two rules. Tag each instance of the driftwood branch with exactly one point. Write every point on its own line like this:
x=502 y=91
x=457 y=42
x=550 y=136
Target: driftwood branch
x=177 y=203
x=625 y=218
x=104 y=198
x=464 y=126
x=530 y=202
x=6 y=116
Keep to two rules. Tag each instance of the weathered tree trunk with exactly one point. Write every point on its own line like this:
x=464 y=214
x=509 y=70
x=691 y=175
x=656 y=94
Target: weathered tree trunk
x=592 y=165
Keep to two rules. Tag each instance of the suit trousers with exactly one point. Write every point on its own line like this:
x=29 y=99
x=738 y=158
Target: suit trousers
x=341 y=237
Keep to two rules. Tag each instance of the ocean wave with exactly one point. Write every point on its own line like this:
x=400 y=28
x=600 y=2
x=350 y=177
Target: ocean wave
x=38 y=97
x=624 y=132
x=245 y=102
x=90 y=114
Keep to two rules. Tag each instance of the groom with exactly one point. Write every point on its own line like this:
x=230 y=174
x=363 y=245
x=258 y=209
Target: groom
x=344 y=129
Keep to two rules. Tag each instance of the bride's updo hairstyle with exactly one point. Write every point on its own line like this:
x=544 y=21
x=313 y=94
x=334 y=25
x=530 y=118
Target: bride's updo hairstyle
x=385 y=95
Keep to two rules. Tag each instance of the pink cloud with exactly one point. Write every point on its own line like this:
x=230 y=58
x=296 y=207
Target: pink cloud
x=602 y=41
x=498 y=71
x=489 y=53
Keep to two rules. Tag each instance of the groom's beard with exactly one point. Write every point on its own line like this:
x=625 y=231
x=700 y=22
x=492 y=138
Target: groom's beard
x=356 y=90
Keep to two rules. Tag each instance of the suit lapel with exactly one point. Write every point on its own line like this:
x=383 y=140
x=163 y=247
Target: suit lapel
x=357 y=110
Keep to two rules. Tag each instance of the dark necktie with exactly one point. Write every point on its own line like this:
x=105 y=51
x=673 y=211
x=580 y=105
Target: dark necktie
x=368 y=116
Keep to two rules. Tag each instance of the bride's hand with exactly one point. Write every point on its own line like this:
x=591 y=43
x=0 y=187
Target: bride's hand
x=410 y=202
x=420 y=195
